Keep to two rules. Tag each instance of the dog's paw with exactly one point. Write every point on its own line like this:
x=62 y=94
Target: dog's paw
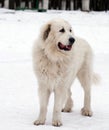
x=57 y=123
x=86 y=112
x=39 y=122
x=66 y=110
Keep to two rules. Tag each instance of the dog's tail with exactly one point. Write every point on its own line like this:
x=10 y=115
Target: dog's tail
x=96 y=78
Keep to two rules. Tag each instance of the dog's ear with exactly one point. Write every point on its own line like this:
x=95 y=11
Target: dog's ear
x=46 y=31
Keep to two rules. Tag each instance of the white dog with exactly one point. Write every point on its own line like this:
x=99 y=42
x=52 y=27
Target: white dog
x=58 y=58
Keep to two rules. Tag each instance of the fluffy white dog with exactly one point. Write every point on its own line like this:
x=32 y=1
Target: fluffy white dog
x=58 y=58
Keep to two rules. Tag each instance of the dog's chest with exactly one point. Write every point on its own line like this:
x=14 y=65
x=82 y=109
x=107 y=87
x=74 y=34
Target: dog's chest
x=50 y=70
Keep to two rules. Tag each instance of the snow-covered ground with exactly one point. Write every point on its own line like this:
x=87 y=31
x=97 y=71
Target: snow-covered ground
x=18 y=86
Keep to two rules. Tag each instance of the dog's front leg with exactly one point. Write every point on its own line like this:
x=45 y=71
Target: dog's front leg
x=60 y=98
x=43 y=100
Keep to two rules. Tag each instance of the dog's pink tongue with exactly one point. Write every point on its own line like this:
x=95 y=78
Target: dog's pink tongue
x=68 y=47
x=62 y=46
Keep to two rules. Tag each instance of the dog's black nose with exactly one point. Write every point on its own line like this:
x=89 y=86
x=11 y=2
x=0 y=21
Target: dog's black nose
x=71 y=40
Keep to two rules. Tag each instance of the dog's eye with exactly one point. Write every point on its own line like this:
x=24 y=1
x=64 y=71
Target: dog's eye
x=62 y=30
x=70 y=30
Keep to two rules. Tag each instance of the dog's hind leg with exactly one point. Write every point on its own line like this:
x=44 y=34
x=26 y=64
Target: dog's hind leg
x=69 y=103
x=85 y=78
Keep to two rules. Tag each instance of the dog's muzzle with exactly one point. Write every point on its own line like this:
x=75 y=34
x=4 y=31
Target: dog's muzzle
x=66 y=47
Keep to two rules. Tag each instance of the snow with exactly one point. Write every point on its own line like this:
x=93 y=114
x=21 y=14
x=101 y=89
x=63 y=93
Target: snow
x=19 y=105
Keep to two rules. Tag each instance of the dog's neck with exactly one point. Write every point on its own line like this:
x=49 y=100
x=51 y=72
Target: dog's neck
x=56 y=56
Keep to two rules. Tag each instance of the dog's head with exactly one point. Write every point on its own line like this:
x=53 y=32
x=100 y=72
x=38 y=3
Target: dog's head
x=58 y=32
x=57 y=38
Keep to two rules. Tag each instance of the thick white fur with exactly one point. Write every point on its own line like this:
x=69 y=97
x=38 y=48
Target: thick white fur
x=57 y=69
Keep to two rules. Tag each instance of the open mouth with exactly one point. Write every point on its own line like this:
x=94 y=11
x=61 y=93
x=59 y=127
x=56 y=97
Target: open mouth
x=64 y=47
